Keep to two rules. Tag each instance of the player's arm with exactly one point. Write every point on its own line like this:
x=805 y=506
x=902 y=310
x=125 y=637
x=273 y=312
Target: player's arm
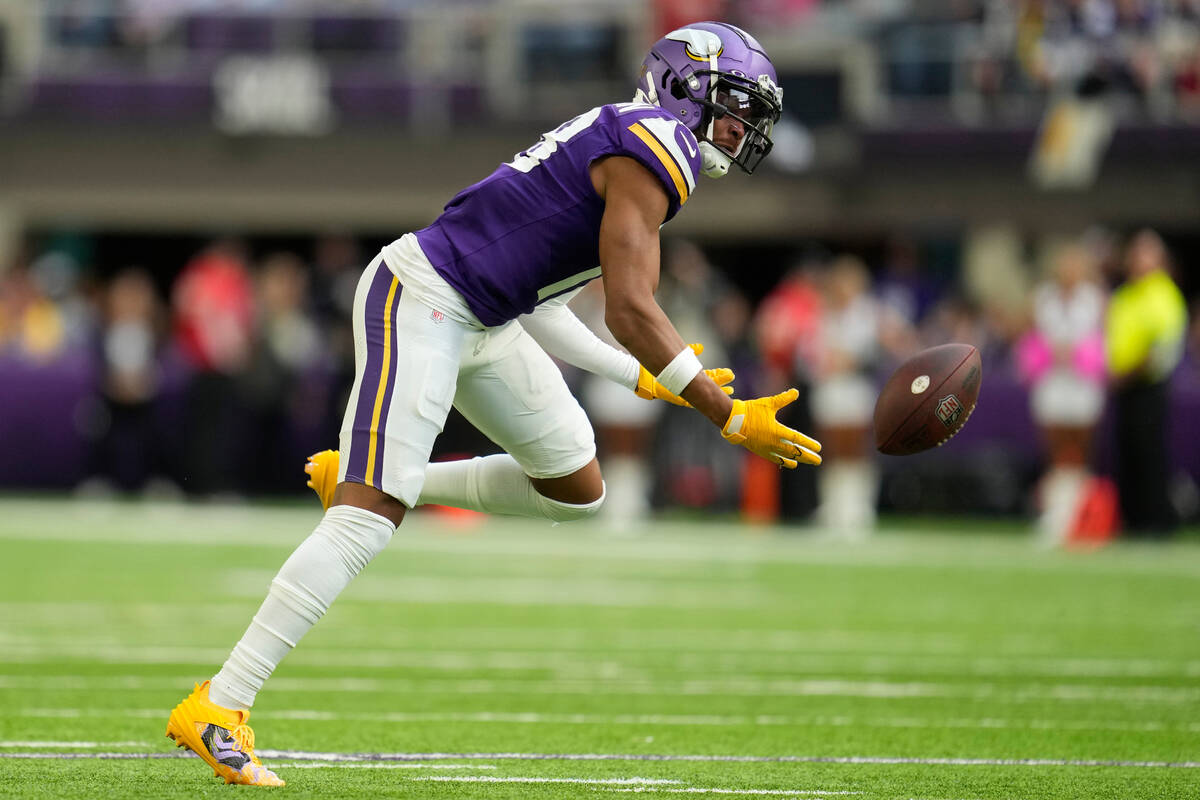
x=563 y=335
x=635 y=205
x=554 y=326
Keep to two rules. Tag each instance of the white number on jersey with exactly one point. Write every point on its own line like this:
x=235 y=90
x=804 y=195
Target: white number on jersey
x=550 y=141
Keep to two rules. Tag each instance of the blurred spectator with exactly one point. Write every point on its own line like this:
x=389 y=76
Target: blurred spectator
x=688 y=470
x=695 y=471
x=767 y=14
x=957 y=319
x=213 y=307
x=281 y=400
x=672 y=14
x=83 y=23
x=1193 y=342
x=145 y=23
x=1187 y=85
x=855 y=331
x=786 y=326
x=57 y=275
x=624 y=423
x=30 y=324
x=903 y=285
x=1062 y=358
x=127 y=452
x=42 y=313
x=1144 y=338
x=730 y=317
x=788 y=320
x=337 y=265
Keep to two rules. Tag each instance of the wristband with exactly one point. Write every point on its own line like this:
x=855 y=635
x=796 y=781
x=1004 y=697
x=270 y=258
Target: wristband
x=680 y=372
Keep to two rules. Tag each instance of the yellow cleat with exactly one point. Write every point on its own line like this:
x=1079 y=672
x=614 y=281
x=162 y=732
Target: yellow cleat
x=322 y=469
x=221 y=737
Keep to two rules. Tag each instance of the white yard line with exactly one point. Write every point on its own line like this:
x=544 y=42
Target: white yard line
x=38 y=618
x=799 y=794
x=37 y=650
x=677 y=542
x=525 y=590
x=73 y=745
x=381 y=765
x=683 y=720
x=639 y=784
x=705 y=758
x=743 y=687
x=527 y=779
x=715 y=720
x=790 y=640
x=364 y=758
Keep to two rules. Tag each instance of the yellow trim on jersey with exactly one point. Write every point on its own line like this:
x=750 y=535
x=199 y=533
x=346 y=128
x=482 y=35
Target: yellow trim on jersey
x=383 y=380
x=669 y=163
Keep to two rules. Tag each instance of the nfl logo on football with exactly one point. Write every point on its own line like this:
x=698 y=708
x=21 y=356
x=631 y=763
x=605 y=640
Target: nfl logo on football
x=949 y=410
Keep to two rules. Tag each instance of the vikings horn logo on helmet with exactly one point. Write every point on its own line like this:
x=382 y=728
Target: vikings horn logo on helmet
x=706 y=70
x=698 y=44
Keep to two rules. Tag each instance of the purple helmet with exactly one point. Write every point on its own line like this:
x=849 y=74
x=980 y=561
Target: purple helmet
x=706 y=70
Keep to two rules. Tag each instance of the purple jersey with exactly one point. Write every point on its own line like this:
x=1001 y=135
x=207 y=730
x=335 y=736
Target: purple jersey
x=531 y=229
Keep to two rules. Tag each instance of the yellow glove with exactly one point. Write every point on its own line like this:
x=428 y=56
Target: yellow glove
x=752 y=424
x=648 y=388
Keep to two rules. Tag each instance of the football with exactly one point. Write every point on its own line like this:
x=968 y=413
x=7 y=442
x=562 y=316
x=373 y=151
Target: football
x=928 y=399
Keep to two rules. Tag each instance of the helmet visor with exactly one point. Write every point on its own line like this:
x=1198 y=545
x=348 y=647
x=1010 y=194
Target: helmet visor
x=756 y=110
x=751 y=108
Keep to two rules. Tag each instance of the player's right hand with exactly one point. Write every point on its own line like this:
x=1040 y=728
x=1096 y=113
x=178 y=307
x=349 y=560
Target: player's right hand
x=752 y=424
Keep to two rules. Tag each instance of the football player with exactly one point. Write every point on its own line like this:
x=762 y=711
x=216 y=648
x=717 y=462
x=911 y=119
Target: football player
x=464 y=312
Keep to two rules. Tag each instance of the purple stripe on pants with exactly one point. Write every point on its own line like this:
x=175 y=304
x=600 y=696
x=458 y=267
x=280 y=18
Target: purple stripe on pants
x=368 y=391
x=377 y=474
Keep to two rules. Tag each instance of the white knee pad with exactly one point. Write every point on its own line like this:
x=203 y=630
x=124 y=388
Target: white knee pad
x=569 y=512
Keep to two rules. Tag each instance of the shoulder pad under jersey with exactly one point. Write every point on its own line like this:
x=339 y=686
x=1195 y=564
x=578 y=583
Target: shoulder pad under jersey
x=663 y=145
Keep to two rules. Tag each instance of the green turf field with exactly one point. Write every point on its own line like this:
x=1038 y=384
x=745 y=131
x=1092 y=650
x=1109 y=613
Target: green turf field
x=519 y=660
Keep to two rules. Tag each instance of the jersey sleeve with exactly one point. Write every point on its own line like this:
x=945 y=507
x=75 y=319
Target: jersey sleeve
x=665 y=147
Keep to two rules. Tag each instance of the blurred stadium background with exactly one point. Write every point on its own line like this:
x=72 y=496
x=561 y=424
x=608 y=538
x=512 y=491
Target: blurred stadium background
x=188 y=192
x=189 y=188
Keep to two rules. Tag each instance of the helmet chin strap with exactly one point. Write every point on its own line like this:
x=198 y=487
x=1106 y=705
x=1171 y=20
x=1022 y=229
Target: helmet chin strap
x=650 y=98
x=714 y=162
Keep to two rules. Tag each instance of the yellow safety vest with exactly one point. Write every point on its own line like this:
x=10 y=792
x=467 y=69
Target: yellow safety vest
x=1146 y=323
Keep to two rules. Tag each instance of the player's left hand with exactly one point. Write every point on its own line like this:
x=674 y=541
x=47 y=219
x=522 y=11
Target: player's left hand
x=752 y=424
x=650 y=389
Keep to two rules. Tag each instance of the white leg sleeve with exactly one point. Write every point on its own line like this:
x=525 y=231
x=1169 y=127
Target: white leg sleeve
x=342 y=544
x=496 y=485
